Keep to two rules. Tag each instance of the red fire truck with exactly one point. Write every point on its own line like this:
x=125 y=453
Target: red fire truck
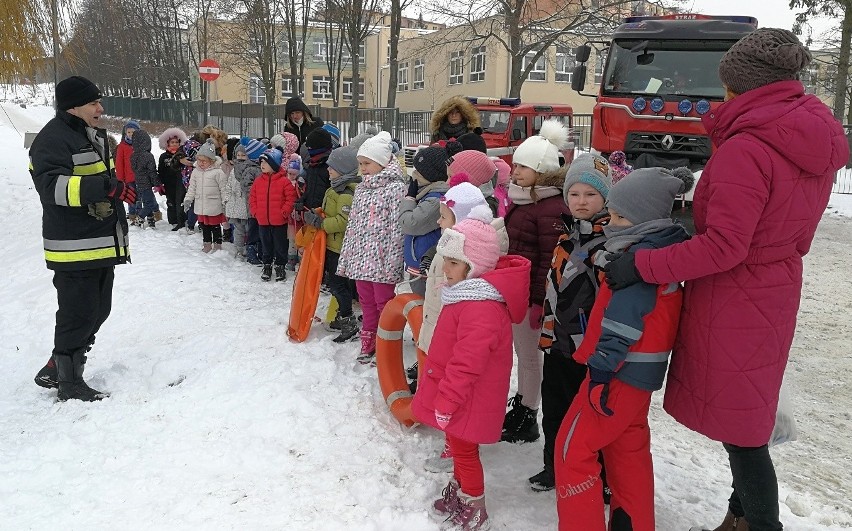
x=507 y=122
x=659 y=78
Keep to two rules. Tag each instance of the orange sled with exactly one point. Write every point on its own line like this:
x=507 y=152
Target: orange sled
x=306 y=288
x=402 y=309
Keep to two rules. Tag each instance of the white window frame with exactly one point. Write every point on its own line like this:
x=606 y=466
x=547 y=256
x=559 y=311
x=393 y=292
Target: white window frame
x=402 y=77
x=477 y=64
x=565 y=63
x=320 y=48
x=321 y=87
x=539 y=70
x=346 y=57
x=456 y=67
x=347 y=89
x=287 y=86
x=600 y=61
x=256 y=94
x=419 y=75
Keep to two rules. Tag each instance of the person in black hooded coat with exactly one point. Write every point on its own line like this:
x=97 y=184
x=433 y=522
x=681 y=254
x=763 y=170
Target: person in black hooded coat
x=300 y=121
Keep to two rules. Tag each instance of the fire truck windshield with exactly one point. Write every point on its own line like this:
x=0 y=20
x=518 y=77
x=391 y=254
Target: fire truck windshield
x=674 y=68
x=494 y=121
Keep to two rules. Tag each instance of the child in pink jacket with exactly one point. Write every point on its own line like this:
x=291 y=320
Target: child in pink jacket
x=470 y=359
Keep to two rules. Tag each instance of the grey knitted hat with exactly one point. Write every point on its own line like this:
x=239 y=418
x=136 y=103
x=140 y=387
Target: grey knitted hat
x=207 y=150
x=588 y=169
x=343 y=160
x=647 y=194
x=764 y=56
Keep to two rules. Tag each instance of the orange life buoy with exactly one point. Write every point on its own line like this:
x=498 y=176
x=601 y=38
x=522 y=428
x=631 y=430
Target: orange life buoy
x=402 y=309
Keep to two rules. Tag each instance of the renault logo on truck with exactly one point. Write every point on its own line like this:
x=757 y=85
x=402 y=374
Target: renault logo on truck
x=668 y=142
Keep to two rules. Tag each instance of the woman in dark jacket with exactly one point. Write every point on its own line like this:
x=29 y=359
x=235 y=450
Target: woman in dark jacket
x=169 y=172
x=300 y=121
x=455 y=117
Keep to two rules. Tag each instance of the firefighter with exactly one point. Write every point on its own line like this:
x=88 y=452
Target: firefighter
x=84 y=228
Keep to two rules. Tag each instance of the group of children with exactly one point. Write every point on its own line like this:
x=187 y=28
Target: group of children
x=508 y=259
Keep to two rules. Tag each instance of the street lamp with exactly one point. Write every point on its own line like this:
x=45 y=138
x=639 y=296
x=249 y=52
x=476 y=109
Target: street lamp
x=381 y=84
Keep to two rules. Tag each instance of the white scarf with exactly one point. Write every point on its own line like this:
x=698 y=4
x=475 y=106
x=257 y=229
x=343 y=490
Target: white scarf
x=521 y=195
x=474 y=289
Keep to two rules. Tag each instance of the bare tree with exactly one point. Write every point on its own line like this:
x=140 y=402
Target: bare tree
x=296 y=15
x=397 y=6
x=525 y=29
x=332 y=23
x=358 y=18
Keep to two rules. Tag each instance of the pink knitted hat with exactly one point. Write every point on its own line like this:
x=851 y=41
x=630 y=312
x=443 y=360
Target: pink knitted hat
x=291 y=144
x=477 y=165
x=473 y=242
x=504 y=171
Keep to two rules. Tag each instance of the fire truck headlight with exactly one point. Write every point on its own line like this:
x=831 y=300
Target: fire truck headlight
x=657 y=104
x=684 y=106
x=702 y=107
x=639 y=104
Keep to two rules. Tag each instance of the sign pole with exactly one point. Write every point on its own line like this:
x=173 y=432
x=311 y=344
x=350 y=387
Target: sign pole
x=208 y=70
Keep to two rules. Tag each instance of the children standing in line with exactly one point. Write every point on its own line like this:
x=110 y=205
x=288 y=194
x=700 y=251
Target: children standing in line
x=469 y=365
x=206 y=194
x=572 y=284
x=145 y=171
x=626 y=346
x=534 y=225
x=236 y=208
x=186 y=159
x=336 y=206
x=169 y=173
x=247 y=169
x=420 y=211
x=271 y=201
x=372 y=247
x=297 y=219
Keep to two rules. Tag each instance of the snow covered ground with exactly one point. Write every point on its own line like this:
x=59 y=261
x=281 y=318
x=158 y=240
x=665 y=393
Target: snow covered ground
x=217 y=421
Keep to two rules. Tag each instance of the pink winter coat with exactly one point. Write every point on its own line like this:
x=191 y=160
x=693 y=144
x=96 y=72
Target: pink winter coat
x=756 y=209
x=470 y=359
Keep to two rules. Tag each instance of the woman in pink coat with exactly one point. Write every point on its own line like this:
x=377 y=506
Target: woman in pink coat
x=466 y=375
x=756 y=210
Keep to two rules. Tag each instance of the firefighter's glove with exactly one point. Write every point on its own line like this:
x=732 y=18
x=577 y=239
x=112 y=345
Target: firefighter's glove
x=599 y=390
x=100 y=210
x=120 y=191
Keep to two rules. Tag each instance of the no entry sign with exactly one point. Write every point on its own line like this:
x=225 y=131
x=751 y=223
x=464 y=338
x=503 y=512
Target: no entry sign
x=208 y=70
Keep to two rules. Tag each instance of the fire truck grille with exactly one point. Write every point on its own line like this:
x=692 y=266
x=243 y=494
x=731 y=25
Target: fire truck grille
x=692 y=146
x=409 y=155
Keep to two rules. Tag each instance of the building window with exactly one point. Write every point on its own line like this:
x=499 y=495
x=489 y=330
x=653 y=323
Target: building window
x=809 y=77
x=538 y=72
x=419 y=81
x=347 y=89
x=285 y=48
x=829 y=82
x=457 y=68
x=321 y=88
x=320 y=48
x=255 y=89
x=287 y=87
x=362 y=54
x=402 y=77
x=600 y=59
x=477 y=64
x=565 y=63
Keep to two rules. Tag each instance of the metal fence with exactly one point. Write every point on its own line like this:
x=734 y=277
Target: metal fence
x=843 y=179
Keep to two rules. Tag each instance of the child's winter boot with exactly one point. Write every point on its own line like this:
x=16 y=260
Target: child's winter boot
x=228 y=234
x=448 y=503
x=730 y=523
x=513 y=415
x=349 y=327
x=251 y=255
x=217 y=246
x=525 y=429
x=470 y=515
x=280 y=274
x=152 y=222
x=368 y=348
x=158 y=216
x=543 y=481
x=207 y=247
x=266 y=274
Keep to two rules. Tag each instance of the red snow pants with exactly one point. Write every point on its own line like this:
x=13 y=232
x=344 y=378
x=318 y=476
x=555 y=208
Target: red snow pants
x=625 y=440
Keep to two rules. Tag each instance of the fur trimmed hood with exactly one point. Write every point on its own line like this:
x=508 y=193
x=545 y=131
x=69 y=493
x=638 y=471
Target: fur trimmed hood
x=465 y=107
x=168 y=134
x=552 y=178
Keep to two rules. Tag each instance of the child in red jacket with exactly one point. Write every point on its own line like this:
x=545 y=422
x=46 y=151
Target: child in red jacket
x=470 y=359
x=271 y=202
x=626 y=345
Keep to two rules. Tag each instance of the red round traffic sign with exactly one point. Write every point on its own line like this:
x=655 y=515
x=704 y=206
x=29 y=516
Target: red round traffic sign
x=208 y=70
